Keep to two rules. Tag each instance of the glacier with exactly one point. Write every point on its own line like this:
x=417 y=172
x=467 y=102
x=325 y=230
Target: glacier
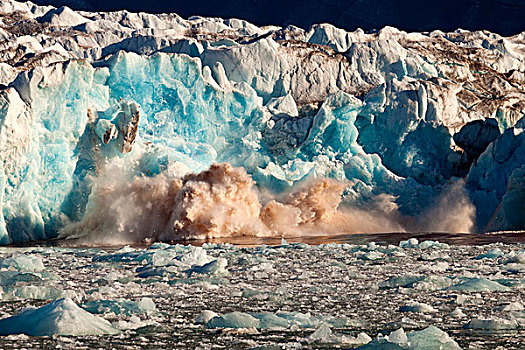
x=399 y=118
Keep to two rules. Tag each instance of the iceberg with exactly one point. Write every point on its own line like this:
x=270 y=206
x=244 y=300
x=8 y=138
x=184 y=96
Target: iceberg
x=417 y=307
x=233 y=320
x=125 y=307
x=324 y=335
x=61 y=317
x=479 y=284
x=492 y=324
x=23 y=262
x=428 y=339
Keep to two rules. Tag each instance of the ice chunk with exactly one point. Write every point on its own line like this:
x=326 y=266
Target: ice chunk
x=431 y=338
x=493 y=323
x=461 y=299
x=432 y=244
x=518 y=258
x=433 y=283
x=39 y=292
x=511 y=307
x=398 y=337
x=491 y=254
x=269 y=320
x=400 y=281
x=118 y=307
x=414 y=243
x=205 y=316
x=411 y=243
x=215 y=267
x=283 y=105
x=417 y=307
x=61 y=317
x=23 y=262
x=479 y=284
x=324 y=335
x=457 y=313
x=233 y=320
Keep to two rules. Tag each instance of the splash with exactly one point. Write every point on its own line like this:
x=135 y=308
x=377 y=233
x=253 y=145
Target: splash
x=453 y=212
x=223 y=201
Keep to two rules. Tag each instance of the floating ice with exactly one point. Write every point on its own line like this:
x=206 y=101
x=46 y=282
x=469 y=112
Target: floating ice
x=514 y=257
x=457 y=313
x=61 y=317
x=23 y=262
x=205 y=316
x=479 y=284
x=491 y=254
x=493 y=323
x=324 y=335
x=432 y=283
x=417 y=307
x=279 y=320
x=233 y=320
x=39 y=292
x=511 y=307
x=414 y=243
x=400 y=281
x=215 y=267
x=429 y=338
x=125 y=307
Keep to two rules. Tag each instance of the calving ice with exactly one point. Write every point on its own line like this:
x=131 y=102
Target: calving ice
x=111 y=122
x=252 y=170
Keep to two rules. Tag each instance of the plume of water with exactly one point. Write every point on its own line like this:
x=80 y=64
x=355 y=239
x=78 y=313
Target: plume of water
x=223 y=201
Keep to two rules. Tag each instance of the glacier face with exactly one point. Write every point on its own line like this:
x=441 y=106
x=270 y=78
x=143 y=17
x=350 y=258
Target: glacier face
x=151 y=94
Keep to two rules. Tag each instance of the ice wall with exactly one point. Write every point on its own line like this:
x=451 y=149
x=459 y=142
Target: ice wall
x=126 y=95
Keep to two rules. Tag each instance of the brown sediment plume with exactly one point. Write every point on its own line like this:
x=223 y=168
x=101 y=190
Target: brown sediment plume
x=223 y=201
x=219 y=202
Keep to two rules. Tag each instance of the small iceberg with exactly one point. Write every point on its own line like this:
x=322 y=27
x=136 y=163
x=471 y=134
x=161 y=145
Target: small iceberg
x=61 y=317
x=430 y=338
x=233 y=320
x=479 y=285
x=22 y=262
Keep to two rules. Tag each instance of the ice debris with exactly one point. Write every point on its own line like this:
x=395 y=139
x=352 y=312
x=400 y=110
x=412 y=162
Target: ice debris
x=61 y=317
x=118 y=307
x=233 y=320
x=491 y=254
x=492 y=324
x=324 y=335
x=479 y=284
x=430 y=338
x=205 y=316
x=267 y=320
x=417 y=307
x=23 y=262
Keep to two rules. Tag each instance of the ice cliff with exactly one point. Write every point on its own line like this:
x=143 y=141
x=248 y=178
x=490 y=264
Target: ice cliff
x=95 y=100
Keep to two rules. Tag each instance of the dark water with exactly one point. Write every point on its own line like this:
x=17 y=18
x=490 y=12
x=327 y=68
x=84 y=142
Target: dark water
x=388 y=238
x=458 y=239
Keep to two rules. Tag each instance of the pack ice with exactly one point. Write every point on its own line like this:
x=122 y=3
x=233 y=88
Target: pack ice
x=397 y=117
